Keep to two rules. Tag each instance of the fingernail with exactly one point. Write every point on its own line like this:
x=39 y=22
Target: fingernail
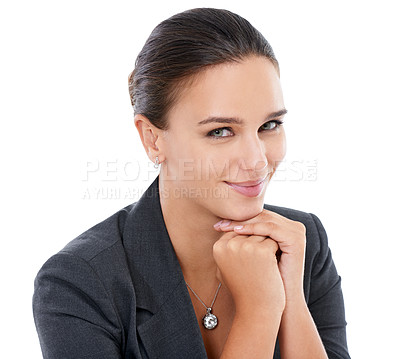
x=216 y=225
x=238 y=228
x=225 y=223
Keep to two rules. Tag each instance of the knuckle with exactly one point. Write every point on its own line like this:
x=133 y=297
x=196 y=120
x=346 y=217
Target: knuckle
x=247 y=246
x=270 y=244
x=304 y=241
x=226 y=235
x=258 y=238
x=301 y=231
x=217 y=247
x=267 y=213
x=232 y=244
x=274 y=245
x=271 y=226
x=301 y=227
x=270 y=215
x=249 y=227
x=235 y=243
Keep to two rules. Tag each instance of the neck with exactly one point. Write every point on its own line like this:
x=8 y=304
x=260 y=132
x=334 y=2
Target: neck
x=192 y=234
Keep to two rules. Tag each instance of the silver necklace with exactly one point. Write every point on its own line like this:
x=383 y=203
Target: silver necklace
x=210 y=321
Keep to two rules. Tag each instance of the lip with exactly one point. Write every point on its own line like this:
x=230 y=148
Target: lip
x=249 y=188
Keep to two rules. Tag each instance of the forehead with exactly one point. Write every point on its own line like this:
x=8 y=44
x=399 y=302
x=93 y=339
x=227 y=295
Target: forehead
x=247 y=89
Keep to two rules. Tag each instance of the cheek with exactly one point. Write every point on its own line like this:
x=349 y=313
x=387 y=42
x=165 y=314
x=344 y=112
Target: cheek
x=186 y=160
x=276 y=150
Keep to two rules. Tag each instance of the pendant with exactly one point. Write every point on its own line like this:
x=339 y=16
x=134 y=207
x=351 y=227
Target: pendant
x=210 y=321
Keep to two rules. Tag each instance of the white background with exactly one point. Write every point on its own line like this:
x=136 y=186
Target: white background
x=65 y=109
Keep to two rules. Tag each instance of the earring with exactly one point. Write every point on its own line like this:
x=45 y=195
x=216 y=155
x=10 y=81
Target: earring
x=156 y=163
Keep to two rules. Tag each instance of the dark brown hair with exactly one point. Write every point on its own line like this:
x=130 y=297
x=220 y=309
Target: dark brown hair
x=181 y=47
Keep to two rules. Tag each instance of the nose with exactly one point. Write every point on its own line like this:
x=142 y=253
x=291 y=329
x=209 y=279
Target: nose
x=252 y=156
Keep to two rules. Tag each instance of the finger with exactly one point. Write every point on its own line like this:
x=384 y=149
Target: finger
x=226 y=225
x=270 y=244
x=290 y=237
x=221 y=243
x=225 y=237
x=266 y=229
x=252 y=243
x=284 y=235
x=256 y=238
x=219 y=226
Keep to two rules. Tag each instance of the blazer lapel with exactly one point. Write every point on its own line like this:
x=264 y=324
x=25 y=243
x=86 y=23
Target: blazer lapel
x=173 y=331
x=165 y=320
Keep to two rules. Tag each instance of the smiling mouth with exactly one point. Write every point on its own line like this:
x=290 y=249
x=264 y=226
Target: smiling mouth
x=249 y=188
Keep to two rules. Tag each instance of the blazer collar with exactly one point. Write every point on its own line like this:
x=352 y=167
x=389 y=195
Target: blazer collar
x=169 y=327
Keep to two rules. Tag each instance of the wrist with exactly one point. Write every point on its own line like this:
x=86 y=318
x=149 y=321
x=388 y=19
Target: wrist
x=295 y=297
x=253 y=333
x=260 y=305
x=258 y=314
x=295 y=304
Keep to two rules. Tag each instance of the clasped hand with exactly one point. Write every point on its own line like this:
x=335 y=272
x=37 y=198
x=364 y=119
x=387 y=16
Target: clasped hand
x=246 y=256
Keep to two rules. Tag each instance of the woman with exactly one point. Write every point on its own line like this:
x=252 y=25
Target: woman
x=199 y=267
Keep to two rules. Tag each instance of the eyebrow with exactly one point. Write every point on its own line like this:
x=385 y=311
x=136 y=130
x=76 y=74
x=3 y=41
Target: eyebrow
x=238 y=121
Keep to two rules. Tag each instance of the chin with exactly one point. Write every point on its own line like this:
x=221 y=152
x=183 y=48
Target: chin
x=241 y=212
x=244 y=215
x=239 y=207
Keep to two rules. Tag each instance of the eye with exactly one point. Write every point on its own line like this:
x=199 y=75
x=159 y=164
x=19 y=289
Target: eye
x=220 y=132
x=271 y=125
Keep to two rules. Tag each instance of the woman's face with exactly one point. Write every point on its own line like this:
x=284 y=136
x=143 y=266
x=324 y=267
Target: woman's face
x=224 y=139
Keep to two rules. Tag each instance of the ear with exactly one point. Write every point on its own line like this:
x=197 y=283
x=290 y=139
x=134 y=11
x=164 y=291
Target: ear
x=149 y=135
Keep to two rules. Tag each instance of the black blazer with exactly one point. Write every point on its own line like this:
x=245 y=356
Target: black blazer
x=117 y=291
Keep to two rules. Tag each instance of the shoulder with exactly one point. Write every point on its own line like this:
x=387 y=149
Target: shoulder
x=98 y=253
x=74 y=292
x=88 y=267
x=101 y=237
